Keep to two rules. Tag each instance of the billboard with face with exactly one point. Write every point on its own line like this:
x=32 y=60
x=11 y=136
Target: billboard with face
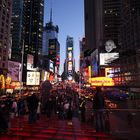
x=108 y=53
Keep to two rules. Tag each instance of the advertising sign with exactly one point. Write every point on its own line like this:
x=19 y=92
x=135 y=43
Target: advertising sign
x=70 y=55
x=107 y=58
x=33 y=78
x=101 y=81
x=30 y=62
x=51 y=67
x=69 y=65
x=13 y=70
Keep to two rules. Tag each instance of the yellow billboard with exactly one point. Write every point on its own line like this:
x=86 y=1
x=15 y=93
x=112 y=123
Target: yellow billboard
x=101 y=81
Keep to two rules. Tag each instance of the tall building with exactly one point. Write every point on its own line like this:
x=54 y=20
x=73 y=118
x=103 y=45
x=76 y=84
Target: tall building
x=50 y=31
x=69 y=61
x=17 y=29
x=5 y=39
x=129 y=61
x=93 y=12
x=34 y=12
x=33 y=27
x=51 y=46
x=116 y=23
x=102 y=22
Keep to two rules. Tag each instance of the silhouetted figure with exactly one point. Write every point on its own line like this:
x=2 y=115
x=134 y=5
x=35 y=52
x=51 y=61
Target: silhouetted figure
x=69 y=112
x=49 y=107
x=98 y=107
x=83 y=109
x=32 y=103
x=130 y=119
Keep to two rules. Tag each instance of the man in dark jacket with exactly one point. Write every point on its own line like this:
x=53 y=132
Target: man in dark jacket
x=32 y=103
x=98 y=107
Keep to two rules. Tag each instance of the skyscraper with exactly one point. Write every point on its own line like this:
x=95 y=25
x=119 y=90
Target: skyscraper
x=34 y=12
x=5 y=20
x=129 y=61
x=33 y=27
x=49 y=32
x=69 y=62
x=17 y=29
x=51 y=46
x=117 y=21
x=102 y=21
x=93 y=11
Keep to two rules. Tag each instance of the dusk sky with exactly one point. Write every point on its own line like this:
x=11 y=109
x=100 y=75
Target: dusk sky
x=69 y=16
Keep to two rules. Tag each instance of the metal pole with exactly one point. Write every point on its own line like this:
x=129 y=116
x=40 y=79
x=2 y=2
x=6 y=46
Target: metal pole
x=21 y=70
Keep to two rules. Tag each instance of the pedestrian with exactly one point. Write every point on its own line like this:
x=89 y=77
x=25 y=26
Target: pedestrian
x=83 y=109
x=49 y=107
x=98 y=107
x=38 y=110
x=32 y=103
x=14 y=108
x=130 y=119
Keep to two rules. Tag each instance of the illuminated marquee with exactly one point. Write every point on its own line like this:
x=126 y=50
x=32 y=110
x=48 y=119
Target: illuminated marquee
x=2 y=81
x=101 y=81
x=70 y=65
x=69 y=48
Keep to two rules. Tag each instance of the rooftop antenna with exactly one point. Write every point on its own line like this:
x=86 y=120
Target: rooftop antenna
x=51 y=12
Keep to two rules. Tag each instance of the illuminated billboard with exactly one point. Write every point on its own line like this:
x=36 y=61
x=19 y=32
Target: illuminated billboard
x=69 y=65
x=30 y=62
x=51 y=67
x=109 y=53
x=94 y=63
x=69 y=48
x=13 y=70
x=70 y=55
x=107 y=58
x=101 y=81
x=33 y=78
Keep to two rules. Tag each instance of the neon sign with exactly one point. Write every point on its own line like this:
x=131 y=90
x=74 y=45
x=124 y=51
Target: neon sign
x=101 y=81
x=2 y=81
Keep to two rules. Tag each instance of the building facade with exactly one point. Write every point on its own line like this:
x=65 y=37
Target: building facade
x=49 y=32
x=33 y=27
x=51 y=46
x=69 y=61
x=34 y=12
x=115 y=24
x=129 y=61
x=17 y=29
x=102 y=21
x=5 y=38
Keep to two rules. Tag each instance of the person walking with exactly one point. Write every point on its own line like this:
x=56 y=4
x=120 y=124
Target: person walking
x=38 y=110
x=98 y=107
x=32 y=103
x=82 y=108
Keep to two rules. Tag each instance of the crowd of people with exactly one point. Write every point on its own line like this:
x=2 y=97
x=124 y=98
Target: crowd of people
x=62 y=103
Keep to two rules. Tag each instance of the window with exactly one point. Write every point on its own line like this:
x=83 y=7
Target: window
x=3 y=65
x=4 y=58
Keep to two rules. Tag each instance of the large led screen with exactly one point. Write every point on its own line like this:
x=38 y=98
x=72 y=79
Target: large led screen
x=33 y=78
x=107 y=58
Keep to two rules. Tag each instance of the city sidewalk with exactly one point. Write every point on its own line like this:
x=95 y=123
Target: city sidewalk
x=121 y=129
